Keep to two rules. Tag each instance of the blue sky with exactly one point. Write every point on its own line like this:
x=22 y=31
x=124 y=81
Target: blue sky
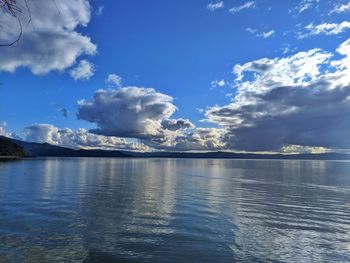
x=177 y=49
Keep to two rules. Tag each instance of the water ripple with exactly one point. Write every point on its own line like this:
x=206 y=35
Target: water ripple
x=174 y=210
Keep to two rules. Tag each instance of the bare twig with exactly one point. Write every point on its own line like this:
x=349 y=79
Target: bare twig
x=11 y=7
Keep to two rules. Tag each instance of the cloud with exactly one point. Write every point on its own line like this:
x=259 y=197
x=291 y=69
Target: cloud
x=293 y=70
x=77 y=139
x=50 y=42
x=83 y=71
x=247 y=5
x=299 y=100
x=267 y=34
x=180 y=135
x=341 y=8
x=114 y=80
x=198 y=139
x=292 y=149
x=264 y=35
x=127 y=112
x=177 y=124
x=325 y=29
x=201 y=139
x=64 y=112
x=218 y=83
x=3 y=131
x=214 y=6
x=251 y=30
x=305 y=5
x=144 y=114
x=99 y=10
x=286 y=48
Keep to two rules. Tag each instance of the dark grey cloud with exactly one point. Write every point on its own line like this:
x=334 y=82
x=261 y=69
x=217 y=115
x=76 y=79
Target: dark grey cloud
x=177 y=124
x=311 y=110
x=301 y=116
x=64 y=112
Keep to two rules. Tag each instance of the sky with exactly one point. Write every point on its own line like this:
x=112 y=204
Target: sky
x=234 y=75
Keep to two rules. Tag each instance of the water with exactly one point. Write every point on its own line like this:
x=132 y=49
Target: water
x=174 y=210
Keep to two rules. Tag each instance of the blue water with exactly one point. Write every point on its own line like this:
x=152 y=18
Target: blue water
x=174 y=210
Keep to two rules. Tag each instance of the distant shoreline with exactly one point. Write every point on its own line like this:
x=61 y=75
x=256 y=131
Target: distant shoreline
x=8 y=158
x=11 y=157
x=32 y=149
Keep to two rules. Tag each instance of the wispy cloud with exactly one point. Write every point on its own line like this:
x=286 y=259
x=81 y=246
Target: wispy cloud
x=237 y=9
x=251 y=30
x=266 y=34
x=218 y=83
x=305 y=5
x=286 y=48
x=341 y=8
x=99 y=10
x=214 y=6
x=325 y=29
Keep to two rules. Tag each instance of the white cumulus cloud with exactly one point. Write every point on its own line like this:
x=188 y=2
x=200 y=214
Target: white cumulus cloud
x=78 y=139
x=198 y=139
x=50 y=41
x=114 y=80
x=83 y=71
x=145 y=114
x=301 y=100
x=127 y=112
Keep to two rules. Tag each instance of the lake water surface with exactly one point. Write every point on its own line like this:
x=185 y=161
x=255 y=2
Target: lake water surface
x=174 y=210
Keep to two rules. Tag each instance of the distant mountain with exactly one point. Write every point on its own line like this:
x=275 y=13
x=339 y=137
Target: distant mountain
x=9 y=148
x=45 y=149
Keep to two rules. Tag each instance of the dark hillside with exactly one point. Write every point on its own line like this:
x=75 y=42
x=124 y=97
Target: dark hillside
x=10 y=148
x=44 y=149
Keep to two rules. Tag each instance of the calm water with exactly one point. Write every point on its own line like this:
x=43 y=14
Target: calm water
x=174 y=210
